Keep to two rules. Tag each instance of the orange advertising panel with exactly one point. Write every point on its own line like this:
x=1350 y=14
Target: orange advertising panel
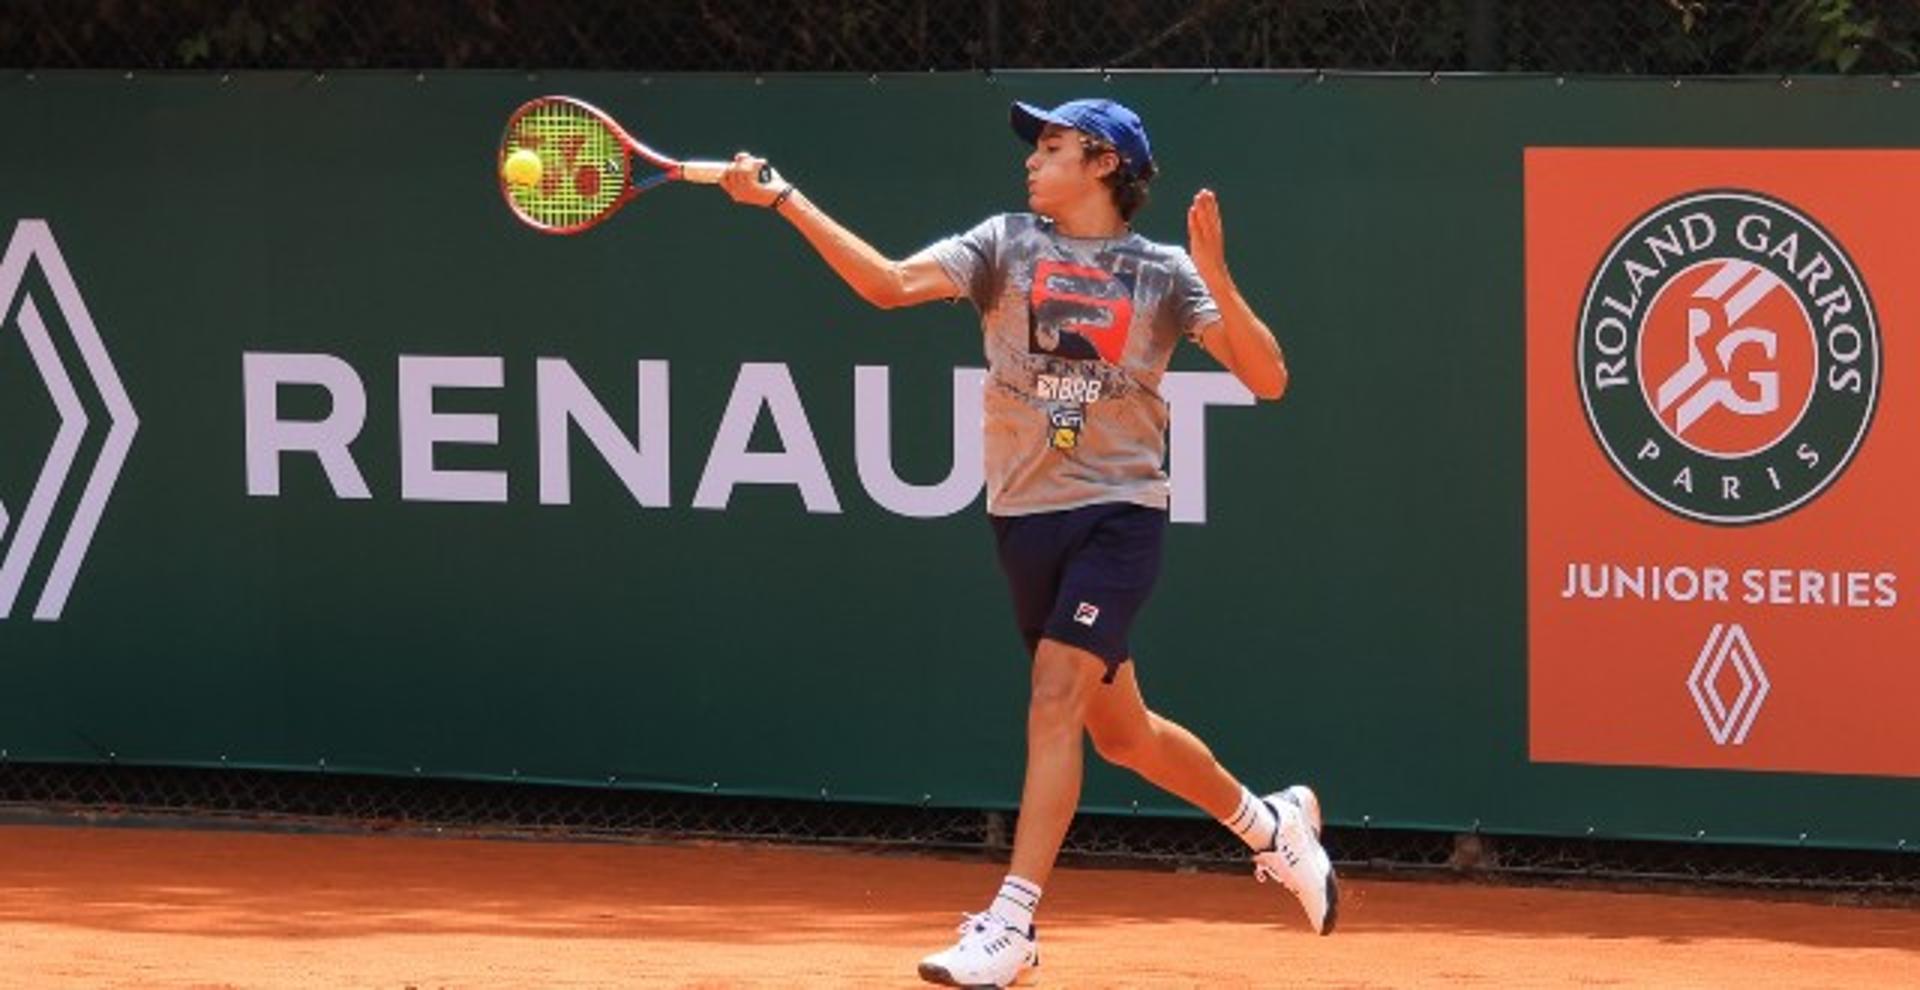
x=1722 y=445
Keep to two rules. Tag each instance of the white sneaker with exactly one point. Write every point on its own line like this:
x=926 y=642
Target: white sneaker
x=990 y=953
x=1302 y=797
x=1297 y=860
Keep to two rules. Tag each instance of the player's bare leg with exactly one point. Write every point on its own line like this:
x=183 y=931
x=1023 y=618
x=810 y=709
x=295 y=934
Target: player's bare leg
x=1126 y=733
x=998 y=946
x=1066 y=680
x=1282 y=828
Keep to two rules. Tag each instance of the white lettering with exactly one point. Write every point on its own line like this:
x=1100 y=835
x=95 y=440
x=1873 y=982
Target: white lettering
x=422 y=429
x=1188 y=394
x=1748 y=237
x=1066 y=389
x=1700 y=229
x=1638 y=273
x=1664 y=246
x=798 y=463
x=1817 y=271
x=563 y=398
x=1607 y=374
x=1644 y=583
x=1831 y=589
x=1788 y=250
x=268 y=436
x=1839 y=302
x=1681 y=584
x=873 y=447
x=1845 y=343
x=640 y=456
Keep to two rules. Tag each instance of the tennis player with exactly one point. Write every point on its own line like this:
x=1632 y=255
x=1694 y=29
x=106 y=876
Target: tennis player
x=1080 y=318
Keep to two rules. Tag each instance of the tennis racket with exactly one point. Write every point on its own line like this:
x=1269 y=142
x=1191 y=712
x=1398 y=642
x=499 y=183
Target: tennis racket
x=566 y=166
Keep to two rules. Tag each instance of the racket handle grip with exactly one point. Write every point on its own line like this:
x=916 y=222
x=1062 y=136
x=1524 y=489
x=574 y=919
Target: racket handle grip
x=709 y=173
x=705 y=173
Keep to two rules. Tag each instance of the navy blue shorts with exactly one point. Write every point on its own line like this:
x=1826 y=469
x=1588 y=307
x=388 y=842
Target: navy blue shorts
x=1082 y=575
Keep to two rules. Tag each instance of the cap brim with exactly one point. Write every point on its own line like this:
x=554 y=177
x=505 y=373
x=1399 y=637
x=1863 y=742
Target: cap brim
x=1028 y=121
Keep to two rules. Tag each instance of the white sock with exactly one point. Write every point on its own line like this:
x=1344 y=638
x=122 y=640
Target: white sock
x=1253 y=822
x=1016 y=901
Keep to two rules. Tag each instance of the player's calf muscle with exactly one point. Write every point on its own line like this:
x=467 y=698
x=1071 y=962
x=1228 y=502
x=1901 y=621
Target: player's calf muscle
x=1128 y=747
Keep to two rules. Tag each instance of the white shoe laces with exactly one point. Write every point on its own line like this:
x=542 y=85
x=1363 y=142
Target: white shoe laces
x=1262 y=872
x=1283 y=850
x=984 y=926
x=987 y=935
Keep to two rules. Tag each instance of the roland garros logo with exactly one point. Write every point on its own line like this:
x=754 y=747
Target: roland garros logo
x=1729 y=357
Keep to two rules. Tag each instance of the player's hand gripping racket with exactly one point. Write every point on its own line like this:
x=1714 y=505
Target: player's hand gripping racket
x=566 y=166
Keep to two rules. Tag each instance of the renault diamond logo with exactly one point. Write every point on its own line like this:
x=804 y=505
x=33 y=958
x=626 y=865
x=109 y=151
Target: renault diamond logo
x=23 y=526
x=1728 y=721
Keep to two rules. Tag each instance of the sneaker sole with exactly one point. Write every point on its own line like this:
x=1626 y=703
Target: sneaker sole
x=1308 y=802
x=939 y=974
x=1333 y=904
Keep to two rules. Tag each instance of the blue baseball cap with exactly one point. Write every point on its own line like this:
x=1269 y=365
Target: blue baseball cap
x=1104 y=119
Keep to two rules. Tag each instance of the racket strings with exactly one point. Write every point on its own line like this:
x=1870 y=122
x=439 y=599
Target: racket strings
x=582 y=165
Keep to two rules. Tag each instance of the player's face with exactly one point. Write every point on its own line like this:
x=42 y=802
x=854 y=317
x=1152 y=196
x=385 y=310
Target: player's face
x=1059 y=173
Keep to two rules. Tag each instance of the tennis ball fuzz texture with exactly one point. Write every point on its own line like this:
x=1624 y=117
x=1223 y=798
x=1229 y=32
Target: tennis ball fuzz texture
x=522 y=168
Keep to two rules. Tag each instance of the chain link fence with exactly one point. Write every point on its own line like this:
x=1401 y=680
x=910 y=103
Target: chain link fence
x=325 y=801
x=1661 y=37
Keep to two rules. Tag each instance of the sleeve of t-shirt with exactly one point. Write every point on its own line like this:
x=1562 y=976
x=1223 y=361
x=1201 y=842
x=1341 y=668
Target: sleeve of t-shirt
x=969 y=259
x=1191 y=298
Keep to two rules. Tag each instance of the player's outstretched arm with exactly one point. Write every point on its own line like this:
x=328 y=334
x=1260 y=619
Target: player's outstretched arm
x=1240 y=342
x=878 y=279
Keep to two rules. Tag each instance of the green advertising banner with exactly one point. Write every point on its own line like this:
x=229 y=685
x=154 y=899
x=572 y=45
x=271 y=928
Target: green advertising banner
x=312 y=457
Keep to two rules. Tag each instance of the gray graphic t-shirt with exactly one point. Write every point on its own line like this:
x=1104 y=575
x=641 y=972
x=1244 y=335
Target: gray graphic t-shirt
x=1078 y=334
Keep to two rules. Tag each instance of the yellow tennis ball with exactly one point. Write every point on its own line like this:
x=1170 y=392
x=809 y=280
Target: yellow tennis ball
x=522 y=167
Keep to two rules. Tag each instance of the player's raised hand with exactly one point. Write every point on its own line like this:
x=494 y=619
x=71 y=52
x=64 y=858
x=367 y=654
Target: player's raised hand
x=1206 y=242
x=751 y=181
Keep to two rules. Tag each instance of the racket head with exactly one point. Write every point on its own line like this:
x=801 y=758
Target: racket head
x=589 y=166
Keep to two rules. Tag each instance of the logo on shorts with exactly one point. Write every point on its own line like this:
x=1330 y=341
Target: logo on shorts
x=1086 y=614
x=1729 y=357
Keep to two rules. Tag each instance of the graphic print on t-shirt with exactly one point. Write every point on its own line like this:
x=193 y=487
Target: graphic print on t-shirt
x=1079 y=312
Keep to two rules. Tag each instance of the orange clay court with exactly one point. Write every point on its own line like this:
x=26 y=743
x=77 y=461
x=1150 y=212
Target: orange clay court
x=123 y=907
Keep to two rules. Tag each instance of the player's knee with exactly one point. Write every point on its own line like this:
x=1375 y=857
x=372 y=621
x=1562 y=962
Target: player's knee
x=1059 y=695
x=1056 y=702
